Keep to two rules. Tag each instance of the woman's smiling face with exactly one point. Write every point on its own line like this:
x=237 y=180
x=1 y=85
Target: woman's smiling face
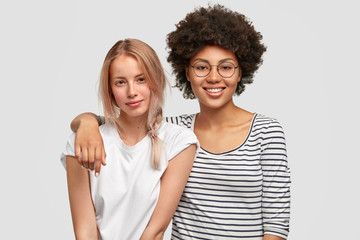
x=214 y=90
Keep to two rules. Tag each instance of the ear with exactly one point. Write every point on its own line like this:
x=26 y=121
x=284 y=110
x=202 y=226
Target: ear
x=187 y=73
x=240 y=75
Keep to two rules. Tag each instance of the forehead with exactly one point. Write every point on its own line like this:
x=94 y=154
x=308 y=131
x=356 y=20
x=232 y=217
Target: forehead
x=214 y=54
x=125 y=64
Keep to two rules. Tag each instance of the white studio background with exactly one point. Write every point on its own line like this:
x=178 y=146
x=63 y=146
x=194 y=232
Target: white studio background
x=50 y=58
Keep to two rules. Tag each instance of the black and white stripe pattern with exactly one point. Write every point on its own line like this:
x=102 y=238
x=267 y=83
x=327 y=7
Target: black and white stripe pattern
x=240 y=194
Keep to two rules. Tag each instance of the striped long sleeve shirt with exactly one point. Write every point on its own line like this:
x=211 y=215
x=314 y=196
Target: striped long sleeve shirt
x=243 y=193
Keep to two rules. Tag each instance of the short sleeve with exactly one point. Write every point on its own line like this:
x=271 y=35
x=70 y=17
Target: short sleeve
x=69 y=149
x=177 y=139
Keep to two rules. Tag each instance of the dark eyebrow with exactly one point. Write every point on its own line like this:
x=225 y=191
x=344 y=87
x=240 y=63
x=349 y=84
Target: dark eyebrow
x=200 y=60
x=226 y=59
x=221 y=61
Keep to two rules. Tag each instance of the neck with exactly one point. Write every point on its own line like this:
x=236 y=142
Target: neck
x=218 y=117
x=132 y=129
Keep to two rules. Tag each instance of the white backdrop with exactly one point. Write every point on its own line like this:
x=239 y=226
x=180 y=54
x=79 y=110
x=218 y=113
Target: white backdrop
x=50 y=57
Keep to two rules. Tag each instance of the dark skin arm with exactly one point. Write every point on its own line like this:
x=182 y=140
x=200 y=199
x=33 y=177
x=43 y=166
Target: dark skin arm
x=89 y=146
x=272 y=237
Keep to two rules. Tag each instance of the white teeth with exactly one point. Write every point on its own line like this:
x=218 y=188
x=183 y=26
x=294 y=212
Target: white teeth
x=214 y=90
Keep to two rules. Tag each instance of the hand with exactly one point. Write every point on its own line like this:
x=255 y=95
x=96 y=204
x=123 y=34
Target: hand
x=89 y=146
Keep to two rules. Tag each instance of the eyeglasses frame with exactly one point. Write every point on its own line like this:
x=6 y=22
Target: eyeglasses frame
x=217 y=68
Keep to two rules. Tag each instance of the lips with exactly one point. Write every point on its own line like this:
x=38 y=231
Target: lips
x=133 y=103
x=214 y=90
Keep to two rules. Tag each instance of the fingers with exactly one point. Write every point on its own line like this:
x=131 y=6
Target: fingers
x=97 y=167
x=98 y=160
x=78 y=153
x=91 y=158
x=91 y=154
x=103 y=157
x=85 y=159
x=89 y=146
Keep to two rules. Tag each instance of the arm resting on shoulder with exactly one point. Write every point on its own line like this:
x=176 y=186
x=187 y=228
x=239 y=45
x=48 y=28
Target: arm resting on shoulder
x=172 y=185
x=89 y=145
x=81 y=205
x=88 y=116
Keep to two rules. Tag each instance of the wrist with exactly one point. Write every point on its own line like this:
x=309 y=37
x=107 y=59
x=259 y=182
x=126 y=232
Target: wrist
x=153 y=234
x=90 y=121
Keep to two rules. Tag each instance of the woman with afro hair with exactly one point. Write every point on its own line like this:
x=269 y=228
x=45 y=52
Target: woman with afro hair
x=239 y=186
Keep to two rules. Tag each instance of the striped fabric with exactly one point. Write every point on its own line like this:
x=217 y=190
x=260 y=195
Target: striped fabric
x=240 y=194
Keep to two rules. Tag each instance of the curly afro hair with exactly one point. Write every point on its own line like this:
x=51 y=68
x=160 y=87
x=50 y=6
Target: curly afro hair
x=220 y=26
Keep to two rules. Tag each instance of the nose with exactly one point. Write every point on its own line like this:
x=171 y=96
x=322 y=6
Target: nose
x=131 y=90
x=213 y=76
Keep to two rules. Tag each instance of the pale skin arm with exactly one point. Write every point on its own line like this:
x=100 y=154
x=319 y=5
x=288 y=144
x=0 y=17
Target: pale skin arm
x=172 y=185
x=81 y=205
x=89 y=146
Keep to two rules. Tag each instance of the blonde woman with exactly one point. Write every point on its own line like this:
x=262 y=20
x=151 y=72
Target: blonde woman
x=148 y=160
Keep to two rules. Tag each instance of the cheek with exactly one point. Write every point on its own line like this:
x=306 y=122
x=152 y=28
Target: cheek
x=193 y=79
x=145 y=91
x=196 y=84
x=233 y=82
x=118 y=96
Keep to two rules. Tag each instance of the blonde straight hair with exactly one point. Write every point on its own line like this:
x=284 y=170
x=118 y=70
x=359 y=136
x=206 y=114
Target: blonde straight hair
x=155 y=77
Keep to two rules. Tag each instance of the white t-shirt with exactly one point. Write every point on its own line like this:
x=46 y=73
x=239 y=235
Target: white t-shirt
x=127 y=190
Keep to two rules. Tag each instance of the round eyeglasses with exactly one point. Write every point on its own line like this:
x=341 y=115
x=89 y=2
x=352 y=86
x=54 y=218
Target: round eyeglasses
x=225 y=69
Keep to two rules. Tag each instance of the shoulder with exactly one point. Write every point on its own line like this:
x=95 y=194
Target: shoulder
x=71 y=141
x=265 y=123
x=169 y=131
x=176 y=138
x=109 y=133
x=267 y=128
x=184 y=120
x=107 y=130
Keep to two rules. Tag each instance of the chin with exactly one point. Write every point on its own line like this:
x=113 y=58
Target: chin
x=136 y=113
x=215 y=103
